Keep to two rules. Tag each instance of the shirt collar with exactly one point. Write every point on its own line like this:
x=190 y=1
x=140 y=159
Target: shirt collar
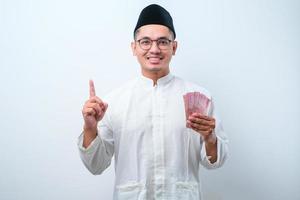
x=160 y=82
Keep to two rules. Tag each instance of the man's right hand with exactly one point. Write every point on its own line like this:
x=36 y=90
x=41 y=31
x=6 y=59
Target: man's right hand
x=93 y=111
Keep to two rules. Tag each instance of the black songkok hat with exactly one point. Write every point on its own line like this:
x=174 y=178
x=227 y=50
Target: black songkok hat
x=155 y=14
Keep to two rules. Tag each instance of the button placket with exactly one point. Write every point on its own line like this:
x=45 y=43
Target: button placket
x=158 y=142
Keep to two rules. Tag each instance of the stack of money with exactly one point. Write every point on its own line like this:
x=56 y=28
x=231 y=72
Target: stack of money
x=195 y=102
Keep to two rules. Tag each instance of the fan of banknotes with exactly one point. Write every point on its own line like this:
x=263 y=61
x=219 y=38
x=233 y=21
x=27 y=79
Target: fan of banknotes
x=195 y=102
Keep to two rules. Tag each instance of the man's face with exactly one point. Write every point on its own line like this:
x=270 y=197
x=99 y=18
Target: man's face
x=155 y=60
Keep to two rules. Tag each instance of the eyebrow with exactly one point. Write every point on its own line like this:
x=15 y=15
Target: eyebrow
x=164 y=37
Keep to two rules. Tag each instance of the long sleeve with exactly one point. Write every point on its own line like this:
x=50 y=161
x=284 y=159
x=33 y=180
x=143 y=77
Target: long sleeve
x=222 y=144
x=97 y=156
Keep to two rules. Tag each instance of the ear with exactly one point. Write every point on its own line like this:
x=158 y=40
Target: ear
x=174 y=47
x=133 y=48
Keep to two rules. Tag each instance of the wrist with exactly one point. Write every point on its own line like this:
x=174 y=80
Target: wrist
x=88 y=136
x=90 y=131
x=210 y=139
x=89 y=128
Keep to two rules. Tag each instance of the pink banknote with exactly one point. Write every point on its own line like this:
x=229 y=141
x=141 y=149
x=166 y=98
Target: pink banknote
x=195 y=102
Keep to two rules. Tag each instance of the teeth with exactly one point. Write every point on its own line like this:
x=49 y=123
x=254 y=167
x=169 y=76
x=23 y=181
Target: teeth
x=154 y=58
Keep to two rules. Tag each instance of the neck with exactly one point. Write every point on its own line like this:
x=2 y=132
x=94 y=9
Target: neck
x=155 y=75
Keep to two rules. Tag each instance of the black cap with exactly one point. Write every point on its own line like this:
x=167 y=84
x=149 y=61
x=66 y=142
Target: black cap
x=155 y=14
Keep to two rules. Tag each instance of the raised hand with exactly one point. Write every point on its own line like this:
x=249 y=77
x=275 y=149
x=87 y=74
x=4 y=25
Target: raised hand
x=93 y=110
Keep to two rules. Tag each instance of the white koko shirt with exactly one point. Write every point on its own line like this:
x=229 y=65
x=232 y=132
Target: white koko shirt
x=156 y=156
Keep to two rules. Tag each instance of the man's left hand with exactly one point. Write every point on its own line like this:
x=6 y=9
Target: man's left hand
x=204 y=125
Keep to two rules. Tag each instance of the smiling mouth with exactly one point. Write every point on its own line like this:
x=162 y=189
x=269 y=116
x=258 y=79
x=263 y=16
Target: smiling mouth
x=154 y=58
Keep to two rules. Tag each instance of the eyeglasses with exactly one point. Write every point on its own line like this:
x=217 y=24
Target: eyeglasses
x=162 y=43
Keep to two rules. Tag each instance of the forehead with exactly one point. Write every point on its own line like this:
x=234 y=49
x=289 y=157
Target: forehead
x=154 y=31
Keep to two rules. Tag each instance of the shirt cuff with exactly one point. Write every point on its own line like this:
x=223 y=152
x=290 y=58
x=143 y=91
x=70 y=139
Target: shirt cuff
x=91 y=148
x=207 y=157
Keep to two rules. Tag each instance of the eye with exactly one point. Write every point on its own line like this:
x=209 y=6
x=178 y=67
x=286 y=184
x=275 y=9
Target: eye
x=164 y=42
x=145 y=42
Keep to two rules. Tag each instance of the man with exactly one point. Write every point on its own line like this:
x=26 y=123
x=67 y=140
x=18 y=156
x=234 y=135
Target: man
x=158 y=147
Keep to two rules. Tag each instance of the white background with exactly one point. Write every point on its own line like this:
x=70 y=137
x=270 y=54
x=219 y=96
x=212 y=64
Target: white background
x=245 y=52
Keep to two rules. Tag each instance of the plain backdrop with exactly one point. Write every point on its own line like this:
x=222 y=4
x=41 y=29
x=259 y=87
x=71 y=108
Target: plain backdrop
x=246 y=53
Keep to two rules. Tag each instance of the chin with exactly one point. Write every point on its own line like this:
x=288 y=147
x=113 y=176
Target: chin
x=154 y=68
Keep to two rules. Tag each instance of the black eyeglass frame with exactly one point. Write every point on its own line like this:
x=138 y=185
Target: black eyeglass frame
x=157 y=43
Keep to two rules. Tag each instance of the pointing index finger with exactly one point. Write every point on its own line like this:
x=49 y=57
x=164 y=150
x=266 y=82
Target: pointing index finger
x=92 y=89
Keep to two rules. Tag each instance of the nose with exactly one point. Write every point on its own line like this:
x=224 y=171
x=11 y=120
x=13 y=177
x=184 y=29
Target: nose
x=154 y=48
